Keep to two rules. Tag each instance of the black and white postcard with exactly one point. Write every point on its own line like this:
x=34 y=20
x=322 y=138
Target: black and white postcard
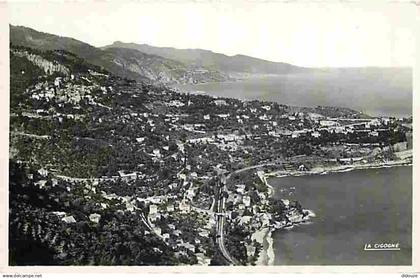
x=234 y=135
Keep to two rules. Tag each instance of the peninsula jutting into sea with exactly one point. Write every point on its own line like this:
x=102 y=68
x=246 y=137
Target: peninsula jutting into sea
x=112 y=166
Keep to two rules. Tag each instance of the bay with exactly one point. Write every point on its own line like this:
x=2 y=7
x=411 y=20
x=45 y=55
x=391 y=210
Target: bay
x=352 y=209
x=375 y=92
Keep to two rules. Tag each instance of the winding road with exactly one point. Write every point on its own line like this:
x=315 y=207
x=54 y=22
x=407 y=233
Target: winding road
x=221 y=210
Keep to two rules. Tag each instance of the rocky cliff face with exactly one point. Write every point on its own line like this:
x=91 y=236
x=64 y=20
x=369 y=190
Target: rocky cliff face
x=212 y=60
x=129 y=63
x=48 y=66
x=159 y=69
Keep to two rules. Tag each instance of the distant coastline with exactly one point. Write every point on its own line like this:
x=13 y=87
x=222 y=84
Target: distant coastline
x=341 y=168
x=324 y=88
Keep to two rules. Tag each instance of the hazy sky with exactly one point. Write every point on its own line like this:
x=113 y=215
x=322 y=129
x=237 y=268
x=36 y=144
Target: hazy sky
x=305 y=34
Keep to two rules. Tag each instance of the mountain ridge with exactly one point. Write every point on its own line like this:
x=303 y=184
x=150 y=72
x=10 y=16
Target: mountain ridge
x=133 y=64
x=238 y=63
x=167 y=65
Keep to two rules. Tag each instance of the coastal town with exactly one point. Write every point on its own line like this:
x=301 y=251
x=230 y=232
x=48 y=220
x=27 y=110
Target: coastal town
x=109 y=171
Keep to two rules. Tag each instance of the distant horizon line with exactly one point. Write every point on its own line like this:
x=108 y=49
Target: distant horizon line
x=240 y=54
x=221 y=53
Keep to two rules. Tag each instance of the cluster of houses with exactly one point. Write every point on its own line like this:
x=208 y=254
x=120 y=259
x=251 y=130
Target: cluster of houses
x=189 y=136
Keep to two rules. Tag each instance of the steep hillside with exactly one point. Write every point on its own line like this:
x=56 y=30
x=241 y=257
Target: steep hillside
x=216 y=61
x=23 y=36
x=132 y=64
x=157 y=68
x=108 y=171
x=91 y=152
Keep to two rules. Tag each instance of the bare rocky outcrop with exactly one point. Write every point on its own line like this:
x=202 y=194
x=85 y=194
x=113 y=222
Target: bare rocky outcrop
x=48 y=66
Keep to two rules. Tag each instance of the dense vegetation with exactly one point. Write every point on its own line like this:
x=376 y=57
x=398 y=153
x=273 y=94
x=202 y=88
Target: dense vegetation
x=92 y=153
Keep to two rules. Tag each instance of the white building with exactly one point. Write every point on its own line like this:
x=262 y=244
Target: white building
x=176 y=103
x=127 y=177
x=184 y=206
x=94 y=217
x=69 y=219
x=223 y=116
x=327 y=123
x=220 y=102
x=246 y=200
x=156 y=152
x=245 y=220
x=240 y=188
x=316 y=134
x=153 y=209
x=158 y=231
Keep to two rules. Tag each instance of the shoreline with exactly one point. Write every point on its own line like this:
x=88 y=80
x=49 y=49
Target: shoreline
x=260 y=236
x=264 y=235
x=339 y=169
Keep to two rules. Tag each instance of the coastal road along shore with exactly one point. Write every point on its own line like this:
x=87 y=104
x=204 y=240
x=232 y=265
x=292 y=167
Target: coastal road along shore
x=221 y=209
